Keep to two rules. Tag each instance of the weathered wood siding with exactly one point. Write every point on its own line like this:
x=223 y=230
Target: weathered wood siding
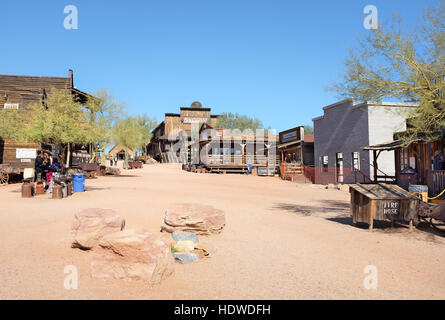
x=8 y=153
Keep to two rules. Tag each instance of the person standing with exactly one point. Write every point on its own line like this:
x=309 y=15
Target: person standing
x=38 y=167
x=438 y=160
x=111 y=161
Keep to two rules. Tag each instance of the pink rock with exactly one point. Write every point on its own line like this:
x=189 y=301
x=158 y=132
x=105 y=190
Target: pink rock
x=196 y=218
x=132 y=254
x=90 y=225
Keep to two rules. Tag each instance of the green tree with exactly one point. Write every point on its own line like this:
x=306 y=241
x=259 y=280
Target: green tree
x=61 y=121
x=308 y=129
x=391 y=64
x=104 y=111
x=133 y=133
x=236 y=121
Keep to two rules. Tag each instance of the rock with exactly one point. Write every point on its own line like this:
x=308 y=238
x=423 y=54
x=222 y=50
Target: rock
x=132 y=254
x=179 y=235
x=185 y=257
x=332 y=186
x=90 y=225
x=184 y=246
x=344 y=187
x=196 y=218
x=201 y=250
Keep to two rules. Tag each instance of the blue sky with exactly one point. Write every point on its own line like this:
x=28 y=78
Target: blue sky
x=267 y=59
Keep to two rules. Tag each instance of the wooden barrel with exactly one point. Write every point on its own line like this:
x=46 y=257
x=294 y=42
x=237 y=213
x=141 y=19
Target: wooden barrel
x=57 y=191
x=27 y=190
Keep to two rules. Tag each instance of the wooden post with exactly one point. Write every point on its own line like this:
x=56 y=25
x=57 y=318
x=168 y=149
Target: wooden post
x=375 y=165
x=371 y=214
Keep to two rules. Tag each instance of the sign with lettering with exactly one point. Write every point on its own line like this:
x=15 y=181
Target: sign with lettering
x=194 y=120
x=25 y=153
x=391 y=208
x=11 y=106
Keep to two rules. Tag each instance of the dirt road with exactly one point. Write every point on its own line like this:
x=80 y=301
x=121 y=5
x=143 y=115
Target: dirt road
x=282 y=241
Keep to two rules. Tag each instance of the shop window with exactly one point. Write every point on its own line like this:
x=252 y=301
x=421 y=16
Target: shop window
x=356 y=160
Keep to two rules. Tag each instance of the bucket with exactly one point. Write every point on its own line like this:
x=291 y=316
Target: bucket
x=79 y=182
x=419 y=189
x=57 y=192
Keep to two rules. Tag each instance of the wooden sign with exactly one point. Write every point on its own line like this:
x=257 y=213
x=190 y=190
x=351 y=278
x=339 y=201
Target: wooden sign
x=25 y=153
x=391 y=208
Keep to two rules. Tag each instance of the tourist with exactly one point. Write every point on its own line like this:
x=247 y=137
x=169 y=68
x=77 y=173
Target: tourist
x=111 y=161
x=438 y=160
x=115 y=161
x=38 y=167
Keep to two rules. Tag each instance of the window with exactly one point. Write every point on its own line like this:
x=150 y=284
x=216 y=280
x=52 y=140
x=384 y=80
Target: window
x=325 y=163
x=404 y=159
x=356 y=160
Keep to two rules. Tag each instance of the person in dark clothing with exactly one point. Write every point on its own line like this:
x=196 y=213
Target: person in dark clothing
x=438 y=160
x=38 y=167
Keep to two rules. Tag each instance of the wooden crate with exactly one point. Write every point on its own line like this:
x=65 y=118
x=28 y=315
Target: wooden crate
x=381 y=201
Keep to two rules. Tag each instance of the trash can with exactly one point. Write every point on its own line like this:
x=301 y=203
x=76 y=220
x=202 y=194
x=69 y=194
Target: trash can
x=79 y=182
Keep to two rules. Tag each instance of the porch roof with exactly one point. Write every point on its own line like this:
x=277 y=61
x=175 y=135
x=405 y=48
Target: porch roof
x=392 y=145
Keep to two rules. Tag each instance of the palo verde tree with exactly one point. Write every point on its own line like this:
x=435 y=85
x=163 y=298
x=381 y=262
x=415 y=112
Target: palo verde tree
x=392 y=64
x=60 y=120
x=236 y=121
x=103 y=112
x=133 y=133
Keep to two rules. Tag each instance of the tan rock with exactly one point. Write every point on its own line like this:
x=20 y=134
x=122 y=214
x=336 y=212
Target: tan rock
x=90 y=225
x=184 y=246
x=132 y=254
x=196 y=218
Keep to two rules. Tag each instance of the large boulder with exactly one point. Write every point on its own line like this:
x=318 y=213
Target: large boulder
x=132 y=254
x=196 y=218
x=90 y=225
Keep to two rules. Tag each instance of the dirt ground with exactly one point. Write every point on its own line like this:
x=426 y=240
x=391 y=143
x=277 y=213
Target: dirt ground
x=282 y=241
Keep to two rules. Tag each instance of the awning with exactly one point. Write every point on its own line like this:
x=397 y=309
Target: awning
x=289 y=144
x=393 y=145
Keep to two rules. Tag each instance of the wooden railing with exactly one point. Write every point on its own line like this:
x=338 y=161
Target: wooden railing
x=238 y=159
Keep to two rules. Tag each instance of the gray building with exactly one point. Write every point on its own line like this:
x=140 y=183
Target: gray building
x=344 y=129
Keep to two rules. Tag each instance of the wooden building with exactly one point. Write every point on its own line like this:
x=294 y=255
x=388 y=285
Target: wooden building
x=118 y=152
x=296 y=152
x=18 y=92
x=169 y=132
x=225 y=151
x=414 y=162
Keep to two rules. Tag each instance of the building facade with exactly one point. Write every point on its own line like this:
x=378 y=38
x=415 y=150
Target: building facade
x=175 y=125
x=345 y=129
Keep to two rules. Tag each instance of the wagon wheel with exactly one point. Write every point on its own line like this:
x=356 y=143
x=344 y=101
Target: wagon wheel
x=4 y=177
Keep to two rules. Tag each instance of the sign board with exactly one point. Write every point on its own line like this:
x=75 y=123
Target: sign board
x=294 y=135
x=194 y=120
x=25 y=160
x=25 y=153
x=391 y=208
x=11 y=106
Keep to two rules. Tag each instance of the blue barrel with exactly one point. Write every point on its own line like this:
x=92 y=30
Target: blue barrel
x=79 y=182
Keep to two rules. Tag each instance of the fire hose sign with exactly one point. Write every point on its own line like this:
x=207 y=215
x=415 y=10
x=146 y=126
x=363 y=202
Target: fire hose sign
x=391 y=208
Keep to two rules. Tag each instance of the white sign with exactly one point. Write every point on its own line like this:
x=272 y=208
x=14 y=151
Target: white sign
x=25 y=153
x=11 y=106
x=25 y=160
x=194 y=120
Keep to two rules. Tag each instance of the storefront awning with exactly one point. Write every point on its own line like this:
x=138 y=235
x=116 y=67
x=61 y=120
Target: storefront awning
x=387 y=146
x=289 y=144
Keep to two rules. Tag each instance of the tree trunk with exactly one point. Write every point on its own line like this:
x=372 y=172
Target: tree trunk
x=68 y=155
x=126 y=159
